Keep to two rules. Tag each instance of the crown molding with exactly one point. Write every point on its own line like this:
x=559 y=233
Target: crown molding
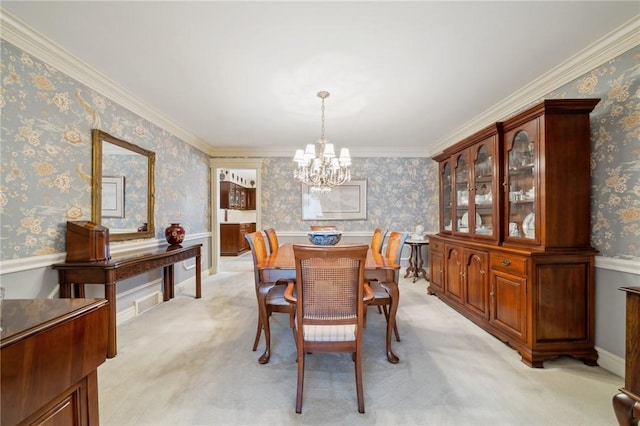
x=288 y=152
x=614 y=44
x=26 y=38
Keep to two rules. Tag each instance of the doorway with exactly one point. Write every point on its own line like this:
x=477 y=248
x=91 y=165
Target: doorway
x=220 y=165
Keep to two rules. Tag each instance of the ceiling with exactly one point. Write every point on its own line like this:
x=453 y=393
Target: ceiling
x=406 y=78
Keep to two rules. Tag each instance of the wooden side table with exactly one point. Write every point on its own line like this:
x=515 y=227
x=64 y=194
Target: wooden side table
x=626 y=404
x=74 y=275
x=416 y=262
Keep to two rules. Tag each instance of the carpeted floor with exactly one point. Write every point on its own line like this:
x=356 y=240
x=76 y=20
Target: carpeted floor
x=189 y=362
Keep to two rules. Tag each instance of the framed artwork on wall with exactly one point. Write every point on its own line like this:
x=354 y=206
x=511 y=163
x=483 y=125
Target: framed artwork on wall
x=113 y=196
x=344 y=202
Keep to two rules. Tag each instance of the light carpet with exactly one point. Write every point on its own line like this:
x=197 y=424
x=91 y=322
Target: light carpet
x=189 y=362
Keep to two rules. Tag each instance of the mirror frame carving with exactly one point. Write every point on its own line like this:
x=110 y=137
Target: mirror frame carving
x=98 y=136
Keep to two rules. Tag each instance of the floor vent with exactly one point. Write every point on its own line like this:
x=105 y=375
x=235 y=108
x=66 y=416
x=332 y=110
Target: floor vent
x=147 y=302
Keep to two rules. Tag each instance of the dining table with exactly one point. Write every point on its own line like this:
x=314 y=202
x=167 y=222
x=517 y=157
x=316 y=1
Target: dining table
x=280 y=265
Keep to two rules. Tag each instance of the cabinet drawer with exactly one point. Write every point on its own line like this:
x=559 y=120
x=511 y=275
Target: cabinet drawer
x=435 y=245
x=509 y=262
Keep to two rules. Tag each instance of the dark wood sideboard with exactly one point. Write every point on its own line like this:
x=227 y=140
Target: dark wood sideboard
x=626 y=404
x=50 y=350
x=232 y=238
x=74 y=275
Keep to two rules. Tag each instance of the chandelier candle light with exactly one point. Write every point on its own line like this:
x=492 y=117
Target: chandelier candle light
x=321 y=169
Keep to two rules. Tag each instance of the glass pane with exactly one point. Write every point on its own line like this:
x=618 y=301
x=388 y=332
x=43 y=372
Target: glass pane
x=462 y=195
x=446 y=197
x=522 y=197
x=483 y=182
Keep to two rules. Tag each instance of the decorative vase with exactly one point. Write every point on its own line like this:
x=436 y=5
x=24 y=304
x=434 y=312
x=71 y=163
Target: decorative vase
x=174 y=234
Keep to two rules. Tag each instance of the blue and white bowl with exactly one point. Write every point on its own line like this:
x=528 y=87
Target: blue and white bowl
x=325 y=238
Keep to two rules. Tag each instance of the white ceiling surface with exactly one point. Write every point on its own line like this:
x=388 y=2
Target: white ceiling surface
x=242 y=77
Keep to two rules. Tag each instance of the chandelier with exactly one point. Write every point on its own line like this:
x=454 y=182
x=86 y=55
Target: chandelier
x=321 y=169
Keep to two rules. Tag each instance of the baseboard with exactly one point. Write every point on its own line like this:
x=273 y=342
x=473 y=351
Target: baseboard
x=610 y=362
x=126 y=315
x=132 y=311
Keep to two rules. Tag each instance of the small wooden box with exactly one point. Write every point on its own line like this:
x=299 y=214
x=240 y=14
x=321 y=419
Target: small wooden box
x=87 y=242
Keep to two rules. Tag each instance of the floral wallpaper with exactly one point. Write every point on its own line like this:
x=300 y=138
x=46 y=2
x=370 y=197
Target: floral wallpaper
x=45 y=137
x=45 y=174
x=401 y=193
x=615 y=153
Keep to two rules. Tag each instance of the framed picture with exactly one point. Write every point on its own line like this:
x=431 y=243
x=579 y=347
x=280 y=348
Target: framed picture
x=113 y=196
x=344 y=202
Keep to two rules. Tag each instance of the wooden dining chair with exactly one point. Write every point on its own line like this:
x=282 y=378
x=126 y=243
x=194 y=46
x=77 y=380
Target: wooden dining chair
x=377 y=240
x=272 y=239
x=270 y=295
x=395 y=244
x=330 y=296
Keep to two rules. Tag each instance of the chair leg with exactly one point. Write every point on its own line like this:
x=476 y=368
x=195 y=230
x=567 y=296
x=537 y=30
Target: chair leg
x=364 y=316
x=359 y=387
x=300 y=380
x=379 y=309
x=258 y=332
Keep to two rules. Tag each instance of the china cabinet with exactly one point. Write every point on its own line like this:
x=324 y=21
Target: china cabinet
x=234 y=196
x=251 y=198
x=513 y=252
x=232 y=238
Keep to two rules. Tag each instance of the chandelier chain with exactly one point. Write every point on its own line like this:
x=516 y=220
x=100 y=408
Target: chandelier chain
x=322 y=125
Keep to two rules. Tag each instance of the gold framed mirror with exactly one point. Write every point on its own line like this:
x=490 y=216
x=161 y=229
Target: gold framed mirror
x=122 y=192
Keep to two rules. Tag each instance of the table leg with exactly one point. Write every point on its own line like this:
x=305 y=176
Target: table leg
x=198 y=278
x=110 y=295
x=167 y=273
x=420 y=268
x=394 y=294
x=65 y=287
x=172 y=283
x=411 y=268
x=263 y=291
x=78 y=290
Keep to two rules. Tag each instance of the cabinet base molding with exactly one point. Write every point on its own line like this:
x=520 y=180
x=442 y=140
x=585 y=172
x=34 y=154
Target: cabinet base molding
x=534 y=358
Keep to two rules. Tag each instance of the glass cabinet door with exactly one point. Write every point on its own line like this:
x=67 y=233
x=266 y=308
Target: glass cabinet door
x=232 y=196
x=446 y=206
x=521 y=182
x=483 y=184
x=462 y=192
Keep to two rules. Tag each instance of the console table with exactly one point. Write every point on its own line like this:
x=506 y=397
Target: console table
x=626 y=404
x=415 y=259
x=74 y=275
x=50 y=352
